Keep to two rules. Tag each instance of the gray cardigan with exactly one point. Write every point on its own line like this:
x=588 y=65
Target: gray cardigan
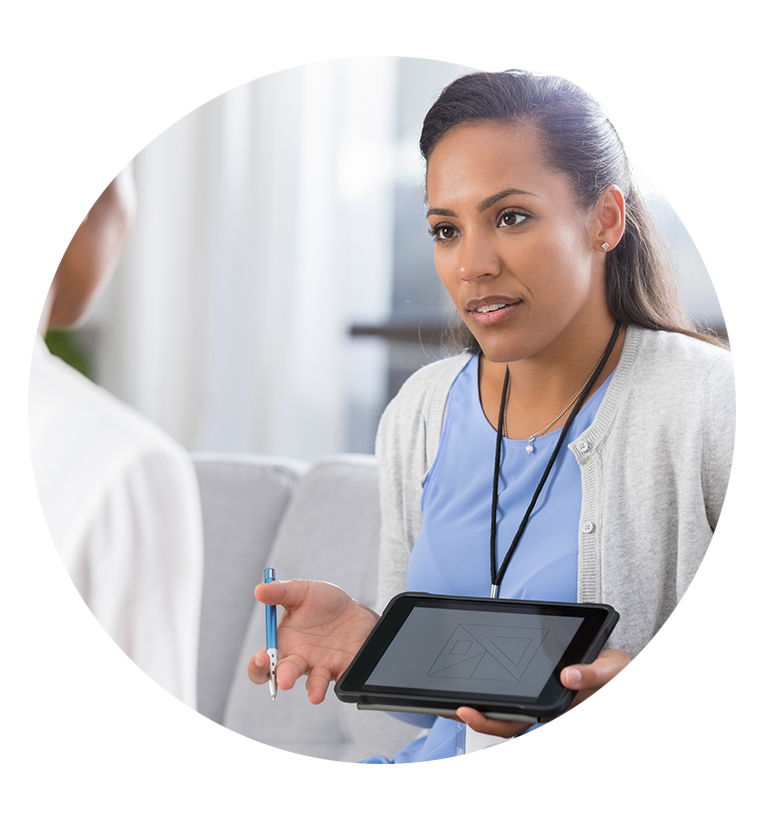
x=654 y=470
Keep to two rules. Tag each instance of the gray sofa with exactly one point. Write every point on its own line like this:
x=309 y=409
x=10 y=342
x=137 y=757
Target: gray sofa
x=318 y=521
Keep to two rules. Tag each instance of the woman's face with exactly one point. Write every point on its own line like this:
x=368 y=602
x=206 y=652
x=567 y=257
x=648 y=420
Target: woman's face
x=520 y=259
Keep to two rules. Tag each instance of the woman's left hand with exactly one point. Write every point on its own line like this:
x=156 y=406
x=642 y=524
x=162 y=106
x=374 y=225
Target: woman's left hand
x=615 y=681
x=585 y=678
x=588 y=678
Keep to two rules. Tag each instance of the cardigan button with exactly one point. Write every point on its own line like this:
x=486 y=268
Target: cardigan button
x=588 y=527
x=582 y=446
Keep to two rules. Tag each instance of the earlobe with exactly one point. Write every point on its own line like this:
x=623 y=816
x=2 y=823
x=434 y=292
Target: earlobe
x=76 y=194
x=611 y=213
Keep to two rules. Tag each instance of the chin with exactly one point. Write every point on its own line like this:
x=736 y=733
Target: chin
x=65 y=321
x=518 y=344
x=503 y=352
x=73 y=315
x=72 y=306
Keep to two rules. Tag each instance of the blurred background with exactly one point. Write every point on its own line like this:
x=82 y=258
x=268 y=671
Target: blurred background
x=278 y=285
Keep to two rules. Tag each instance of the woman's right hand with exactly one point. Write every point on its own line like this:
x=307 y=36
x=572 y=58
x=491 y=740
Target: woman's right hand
x=320 y=632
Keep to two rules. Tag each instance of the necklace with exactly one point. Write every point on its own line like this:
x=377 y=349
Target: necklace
x=530 y=449
x=496 y=575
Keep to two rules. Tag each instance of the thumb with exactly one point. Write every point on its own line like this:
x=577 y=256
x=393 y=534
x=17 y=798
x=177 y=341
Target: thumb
x=576 y=677
x=593 y=676
x=270 y=593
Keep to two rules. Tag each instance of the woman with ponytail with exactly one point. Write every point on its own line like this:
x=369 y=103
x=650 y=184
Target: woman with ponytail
x=581 y=384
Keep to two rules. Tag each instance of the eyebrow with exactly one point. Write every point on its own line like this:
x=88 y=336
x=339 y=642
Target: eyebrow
x=482 y=206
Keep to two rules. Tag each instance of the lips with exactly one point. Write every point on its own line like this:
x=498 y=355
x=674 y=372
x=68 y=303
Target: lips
x=490 y=304
x=489 y=310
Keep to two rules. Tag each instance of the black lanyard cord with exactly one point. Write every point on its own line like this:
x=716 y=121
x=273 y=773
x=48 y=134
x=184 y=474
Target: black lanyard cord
x=497 y=576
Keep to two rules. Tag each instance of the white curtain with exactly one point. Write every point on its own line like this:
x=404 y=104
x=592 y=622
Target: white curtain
x=264 y=229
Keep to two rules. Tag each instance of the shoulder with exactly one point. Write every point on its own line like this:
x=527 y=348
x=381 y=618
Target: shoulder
x=670 y=352
x=410 y=427
x=427 y=386
x=430 y=375
x=92 y=453
x=83 y=437
x=667 y=366
x=65 y=404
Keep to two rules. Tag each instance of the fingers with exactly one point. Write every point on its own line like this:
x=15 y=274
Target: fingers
x=609 y=682
x=320 y=630
x=259 y=667
x=595 y=675
x=277 y=593
x=288 y=671
x=591 y=677
x=317 y=685
x=318 y=599
x=572 y=677
x=480 y=723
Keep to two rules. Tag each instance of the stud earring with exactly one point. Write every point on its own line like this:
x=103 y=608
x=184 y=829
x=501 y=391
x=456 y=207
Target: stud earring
x=605 y=246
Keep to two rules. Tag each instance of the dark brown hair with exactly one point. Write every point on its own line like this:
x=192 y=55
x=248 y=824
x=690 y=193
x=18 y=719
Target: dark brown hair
x=581 y=142
x=68 y=93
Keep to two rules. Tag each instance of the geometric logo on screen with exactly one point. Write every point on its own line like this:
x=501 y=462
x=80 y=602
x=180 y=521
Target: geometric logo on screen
x=487 y=652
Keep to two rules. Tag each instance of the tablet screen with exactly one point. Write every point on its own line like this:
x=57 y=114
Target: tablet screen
x=432 y=653
x=495 y=653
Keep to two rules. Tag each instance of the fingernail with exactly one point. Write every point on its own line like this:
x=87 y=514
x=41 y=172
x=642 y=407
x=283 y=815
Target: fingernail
x=574 y=678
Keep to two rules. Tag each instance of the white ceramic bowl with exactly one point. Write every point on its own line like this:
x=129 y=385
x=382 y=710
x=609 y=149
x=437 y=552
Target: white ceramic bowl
x=614 y=751
x=709 y=724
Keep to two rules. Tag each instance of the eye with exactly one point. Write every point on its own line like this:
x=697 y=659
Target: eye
x=442 y=232
x=512 y=218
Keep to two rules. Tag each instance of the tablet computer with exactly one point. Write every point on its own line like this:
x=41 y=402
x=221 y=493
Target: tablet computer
x=431 y=654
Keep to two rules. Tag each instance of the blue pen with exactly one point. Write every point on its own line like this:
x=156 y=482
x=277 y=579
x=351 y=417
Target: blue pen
x=271 y=636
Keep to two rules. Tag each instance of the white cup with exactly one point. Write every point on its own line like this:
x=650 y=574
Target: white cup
x=709 y=724
x=618 y=751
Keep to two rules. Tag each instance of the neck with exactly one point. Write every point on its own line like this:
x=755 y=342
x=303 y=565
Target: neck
x=542 y=385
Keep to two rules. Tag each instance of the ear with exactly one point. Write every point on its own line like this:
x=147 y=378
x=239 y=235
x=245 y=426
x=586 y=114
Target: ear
x=77 y=174
x=609 y=218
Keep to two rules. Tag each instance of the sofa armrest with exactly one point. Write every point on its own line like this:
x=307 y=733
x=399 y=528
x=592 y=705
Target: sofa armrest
x=652 y=727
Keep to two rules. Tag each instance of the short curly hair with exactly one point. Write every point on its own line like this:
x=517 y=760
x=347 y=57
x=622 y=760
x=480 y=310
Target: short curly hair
x=69 y=93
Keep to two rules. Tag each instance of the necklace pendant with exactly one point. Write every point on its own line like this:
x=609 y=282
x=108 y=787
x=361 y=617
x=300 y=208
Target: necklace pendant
x=530 y=448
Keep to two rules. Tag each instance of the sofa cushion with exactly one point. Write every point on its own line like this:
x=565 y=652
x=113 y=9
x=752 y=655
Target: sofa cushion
x=243 y=499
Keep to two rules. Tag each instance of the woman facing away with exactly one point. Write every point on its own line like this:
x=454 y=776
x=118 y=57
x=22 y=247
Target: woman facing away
x=553 y=264
x=115 y=531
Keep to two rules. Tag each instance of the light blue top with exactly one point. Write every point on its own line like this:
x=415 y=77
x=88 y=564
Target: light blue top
x=452 y=552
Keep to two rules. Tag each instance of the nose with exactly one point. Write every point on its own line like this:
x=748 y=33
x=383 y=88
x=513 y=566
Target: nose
x=477 y=258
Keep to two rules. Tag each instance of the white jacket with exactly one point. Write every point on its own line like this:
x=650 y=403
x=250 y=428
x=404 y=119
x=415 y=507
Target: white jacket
x=121 y=502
